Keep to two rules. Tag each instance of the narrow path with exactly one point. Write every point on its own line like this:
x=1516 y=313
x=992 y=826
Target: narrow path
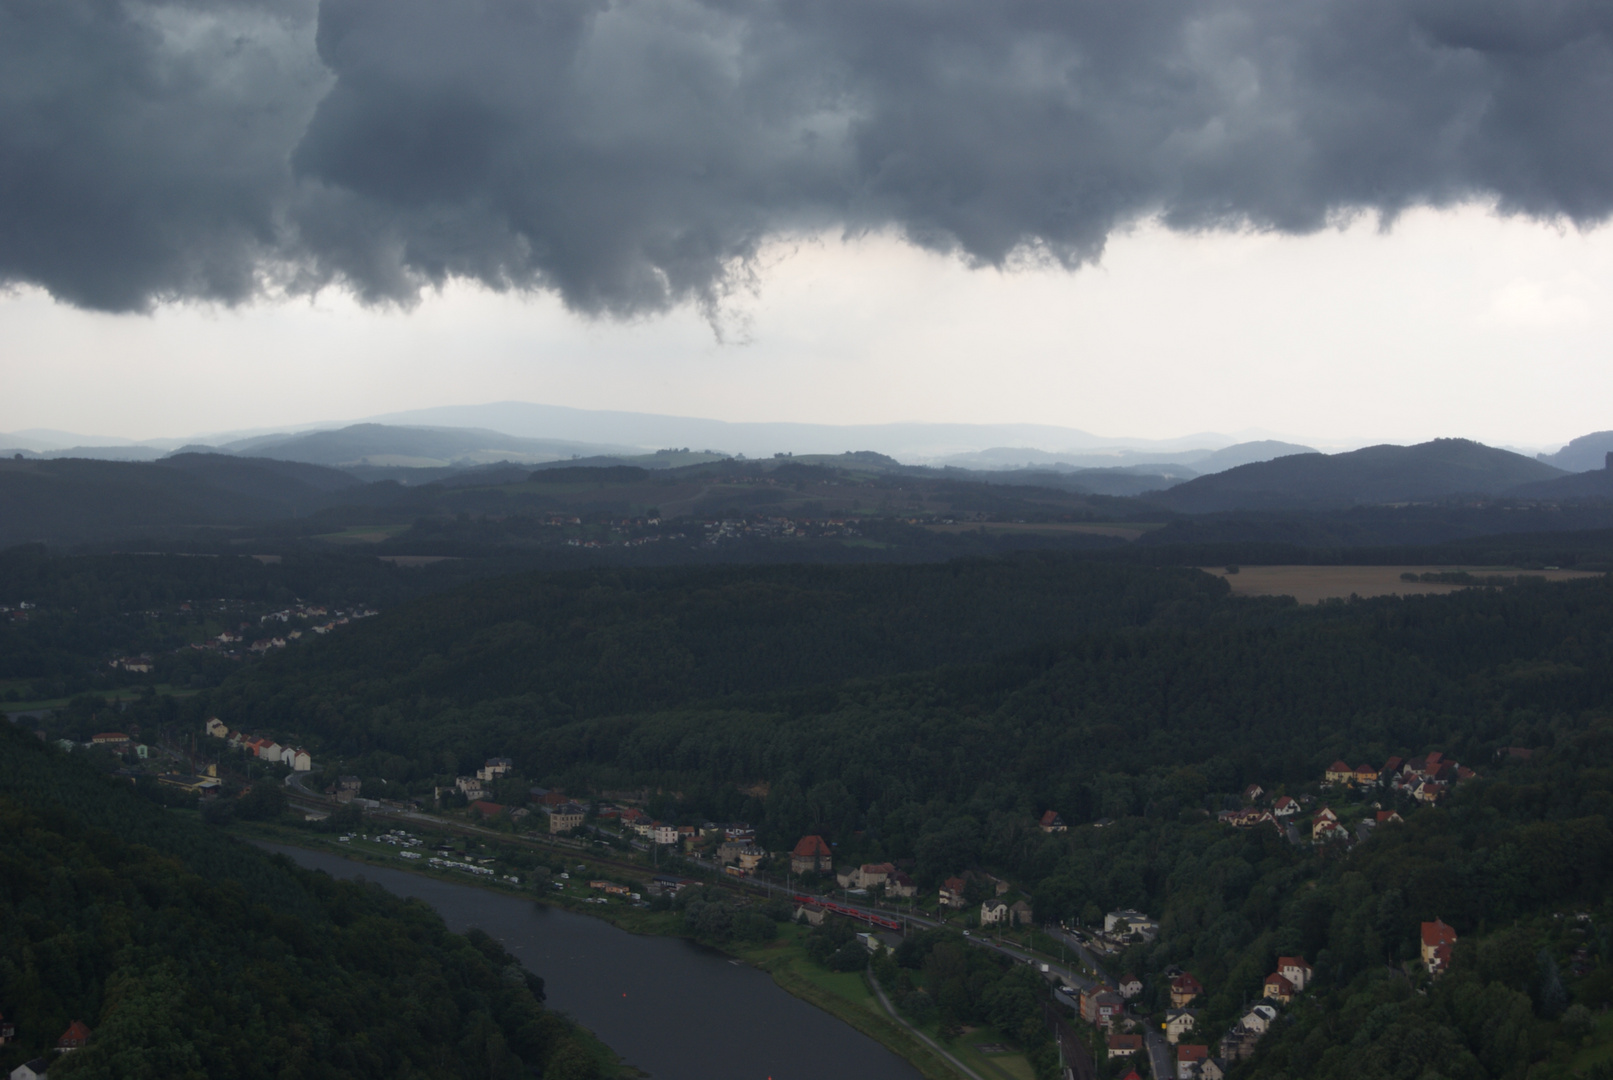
x=946 y=1055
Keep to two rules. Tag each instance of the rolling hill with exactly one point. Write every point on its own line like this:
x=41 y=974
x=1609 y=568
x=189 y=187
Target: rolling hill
x=1373 y=475
x=76 y=500
x=420 y=447
x=1584 y=454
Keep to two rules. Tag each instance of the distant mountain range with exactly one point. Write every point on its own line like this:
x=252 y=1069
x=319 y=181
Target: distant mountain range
x=1584 y=454
x=79 y=501
x=911 y=443
x=416 y=447
x=1199 y=461
x=257 y=477
x=1372 y=475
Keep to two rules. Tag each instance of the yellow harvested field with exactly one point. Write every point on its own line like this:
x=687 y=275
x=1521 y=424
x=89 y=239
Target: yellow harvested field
x=1311 y=584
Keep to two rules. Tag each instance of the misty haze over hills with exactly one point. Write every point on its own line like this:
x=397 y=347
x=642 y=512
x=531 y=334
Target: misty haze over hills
x=528 y=433
x=464 y=447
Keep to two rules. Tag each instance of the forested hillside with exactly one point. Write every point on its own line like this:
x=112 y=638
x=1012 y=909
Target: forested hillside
x=190 y=955
x=930 y=715
x=575 y=646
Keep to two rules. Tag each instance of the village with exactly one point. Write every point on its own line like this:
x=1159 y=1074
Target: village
x=977 y=903
x=1154 y=1032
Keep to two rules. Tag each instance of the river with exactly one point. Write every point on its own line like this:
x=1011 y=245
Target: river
x=675 y=1009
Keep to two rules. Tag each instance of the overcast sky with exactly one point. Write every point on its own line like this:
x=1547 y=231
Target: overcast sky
x=1345 y=220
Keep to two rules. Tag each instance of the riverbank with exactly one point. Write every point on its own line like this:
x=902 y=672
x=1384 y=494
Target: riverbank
x=845 y=996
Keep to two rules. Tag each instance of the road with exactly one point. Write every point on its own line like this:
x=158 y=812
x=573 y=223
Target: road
x=1159 y=1053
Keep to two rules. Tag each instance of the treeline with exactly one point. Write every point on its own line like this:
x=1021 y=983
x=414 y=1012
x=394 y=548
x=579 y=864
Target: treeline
x=457 y=673
x=1136 y=699
x=189 y=954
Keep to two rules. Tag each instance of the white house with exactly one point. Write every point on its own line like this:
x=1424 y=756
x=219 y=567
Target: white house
x=1128 y=921
x=495 y=768
x=993 y=912
x=1179 y=1022
x=271 y=751
x=217 y=729
x=33 y=1070
x=662 y=833
x=1259 y=1018
x=299 y=759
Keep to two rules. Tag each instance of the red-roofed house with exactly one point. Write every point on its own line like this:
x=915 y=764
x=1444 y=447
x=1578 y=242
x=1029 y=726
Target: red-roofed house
x=1365 y=774
x=1278 y=988
x=487 y=809
x=811 y=853
x=1184 y=988
x=1132 y=1074
x=952 y=893
x=1052 y=823
x=1130 y=986
x=1338 y=773
x=1438 y=940
x=1285 y=807
x=1391 y=768
x=74 y=1038
x=1386 y=817
x=1295 y=970
x=1189 y=1056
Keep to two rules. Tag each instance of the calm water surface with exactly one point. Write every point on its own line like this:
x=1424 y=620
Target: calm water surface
x=674 y=1009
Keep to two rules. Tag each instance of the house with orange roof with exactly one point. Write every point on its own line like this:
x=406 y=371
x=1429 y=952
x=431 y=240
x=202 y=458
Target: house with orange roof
x=1438 y=940
x=1278 y=988
x=74 y=1038
x=1295 y=970
x=811 y=853
x=1052 y=823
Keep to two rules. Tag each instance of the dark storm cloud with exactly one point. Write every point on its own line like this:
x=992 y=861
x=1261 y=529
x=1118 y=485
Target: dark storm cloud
x=632 y=155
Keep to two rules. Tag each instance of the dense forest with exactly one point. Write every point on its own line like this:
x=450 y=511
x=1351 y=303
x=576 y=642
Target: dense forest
x=189 y=954
x=928 y=715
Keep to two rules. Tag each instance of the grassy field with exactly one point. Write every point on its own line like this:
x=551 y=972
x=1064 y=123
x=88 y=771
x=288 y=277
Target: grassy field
x=844 y=995
x=1125 y=530
x=125 y=693
x=363 y=534
x=1312 y=584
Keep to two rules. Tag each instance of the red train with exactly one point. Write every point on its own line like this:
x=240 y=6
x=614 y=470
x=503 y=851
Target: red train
x=850 y=912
